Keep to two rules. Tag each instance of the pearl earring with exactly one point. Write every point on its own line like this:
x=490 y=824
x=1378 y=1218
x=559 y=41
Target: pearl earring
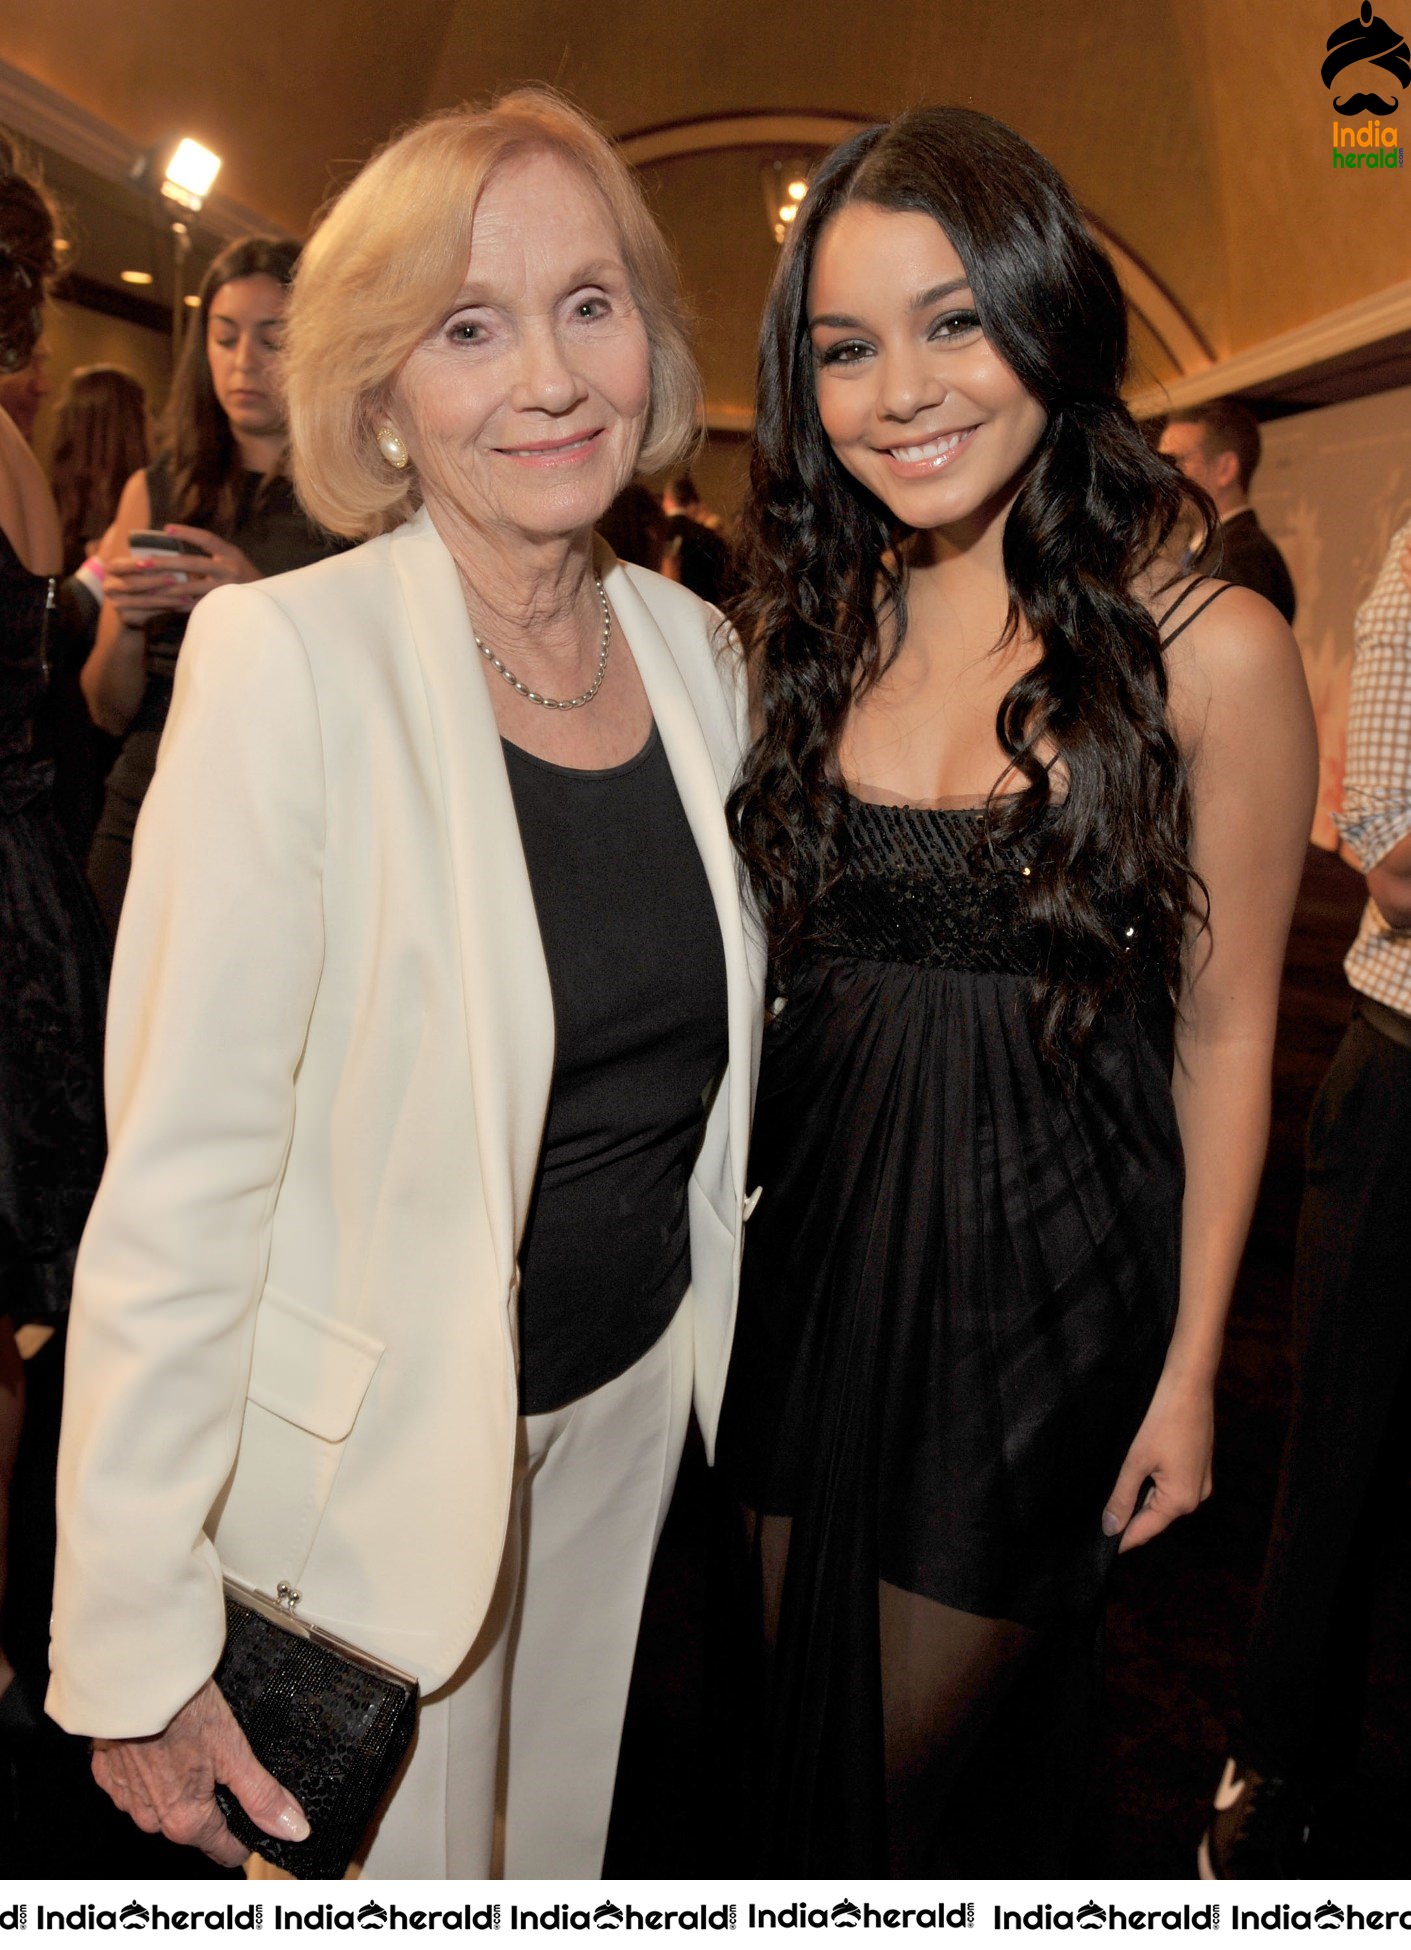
x=392 y=446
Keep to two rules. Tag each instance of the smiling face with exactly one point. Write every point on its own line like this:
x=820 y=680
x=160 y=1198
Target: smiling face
x=523 y=409
x=244 y=339
x=916 y=402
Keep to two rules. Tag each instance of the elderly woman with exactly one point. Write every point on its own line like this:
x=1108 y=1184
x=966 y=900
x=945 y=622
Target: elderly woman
x=432 y=1041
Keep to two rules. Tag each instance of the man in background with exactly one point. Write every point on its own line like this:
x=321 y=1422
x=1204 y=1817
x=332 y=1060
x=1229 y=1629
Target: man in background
x=1218 y=446
x=682 y=497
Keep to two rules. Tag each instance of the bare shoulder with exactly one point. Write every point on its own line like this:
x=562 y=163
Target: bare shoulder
x=134 y=508
x=1236 y=655
x=26 y=507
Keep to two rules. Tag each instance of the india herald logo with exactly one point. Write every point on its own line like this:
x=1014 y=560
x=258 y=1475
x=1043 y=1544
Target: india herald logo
x=1368 y=40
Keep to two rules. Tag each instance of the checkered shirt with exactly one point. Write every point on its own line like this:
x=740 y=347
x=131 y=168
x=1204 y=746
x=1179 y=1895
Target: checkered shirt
x=1376 y=810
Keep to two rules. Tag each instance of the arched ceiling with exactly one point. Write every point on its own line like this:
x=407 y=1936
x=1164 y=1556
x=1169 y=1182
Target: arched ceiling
x=1195 y=132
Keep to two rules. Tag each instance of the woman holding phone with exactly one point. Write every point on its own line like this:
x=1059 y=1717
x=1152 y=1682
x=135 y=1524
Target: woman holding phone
x=218 y=497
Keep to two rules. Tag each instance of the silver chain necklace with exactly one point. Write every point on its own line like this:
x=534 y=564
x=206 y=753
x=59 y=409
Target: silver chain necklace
x=556 y=703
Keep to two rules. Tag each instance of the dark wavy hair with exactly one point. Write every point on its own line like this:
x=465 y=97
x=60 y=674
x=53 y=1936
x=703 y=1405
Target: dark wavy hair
x=824 y=562
x=100 y=439
x=197 y=443
x=28 y=257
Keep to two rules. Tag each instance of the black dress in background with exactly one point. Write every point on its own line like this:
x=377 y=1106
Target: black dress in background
x=274 y=532
x=53 y=979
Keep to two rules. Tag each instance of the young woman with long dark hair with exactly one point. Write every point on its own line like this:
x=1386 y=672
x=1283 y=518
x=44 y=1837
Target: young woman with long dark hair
x=1024 y=817
x=102 y=437
x=219 y=483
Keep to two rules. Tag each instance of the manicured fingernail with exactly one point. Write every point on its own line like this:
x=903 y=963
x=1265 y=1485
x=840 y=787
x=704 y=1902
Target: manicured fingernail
x=1111 y=1523
x=294 y=1824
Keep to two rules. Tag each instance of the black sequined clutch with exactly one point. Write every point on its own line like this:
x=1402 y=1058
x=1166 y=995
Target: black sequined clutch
x=329 y=1722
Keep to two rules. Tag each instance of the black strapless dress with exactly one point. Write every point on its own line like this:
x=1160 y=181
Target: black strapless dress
x=53 y=982
x=958 y=1290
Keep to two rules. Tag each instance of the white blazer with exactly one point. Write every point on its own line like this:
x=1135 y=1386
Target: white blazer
x=329 y=1057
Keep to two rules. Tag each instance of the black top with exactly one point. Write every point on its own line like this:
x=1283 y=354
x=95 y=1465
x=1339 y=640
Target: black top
x=1242 y=553
x=637 y=973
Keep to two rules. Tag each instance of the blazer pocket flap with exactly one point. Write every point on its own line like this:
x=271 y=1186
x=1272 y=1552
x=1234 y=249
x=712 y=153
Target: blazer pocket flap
x=308 y=1369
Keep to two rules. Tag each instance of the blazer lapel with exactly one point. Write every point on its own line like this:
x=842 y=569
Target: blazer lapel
x=508 y=1005
x=702 y=777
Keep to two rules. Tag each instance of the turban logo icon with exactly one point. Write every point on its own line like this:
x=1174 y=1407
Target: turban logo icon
x=1367 y=39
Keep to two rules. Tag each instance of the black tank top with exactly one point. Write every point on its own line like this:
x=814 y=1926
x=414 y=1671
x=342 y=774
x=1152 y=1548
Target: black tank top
x=637 y=973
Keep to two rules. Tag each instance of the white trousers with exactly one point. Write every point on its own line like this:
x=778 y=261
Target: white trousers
x=512 y=1770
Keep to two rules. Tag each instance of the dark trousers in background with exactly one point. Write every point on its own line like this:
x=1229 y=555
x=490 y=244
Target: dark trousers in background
x=1340 y=1504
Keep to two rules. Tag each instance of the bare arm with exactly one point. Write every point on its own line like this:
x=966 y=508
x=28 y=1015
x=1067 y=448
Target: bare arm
x=134 y=589
x=114 y=677
x=1239 y=706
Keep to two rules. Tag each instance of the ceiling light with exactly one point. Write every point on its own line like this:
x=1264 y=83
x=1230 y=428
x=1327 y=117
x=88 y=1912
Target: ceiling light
x=191 y=299
x=190 y=173
x=135 y=277
x=784 y=182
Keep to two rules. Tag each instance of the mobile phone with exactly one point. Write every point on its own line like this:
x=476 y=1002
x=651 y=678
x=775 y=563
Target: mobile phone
x=156 y=541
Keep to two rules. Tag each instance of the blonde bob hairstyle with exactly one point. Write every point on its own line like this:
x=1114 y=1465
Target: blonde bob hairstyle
x=388 y=259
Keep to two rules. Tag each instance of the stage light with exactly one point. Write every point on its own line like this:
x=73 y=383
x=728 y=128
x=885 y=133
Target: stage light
x=191 y=299
x=798 y=189
x=190 y=173
x=177 y=176
x=787 y=212
x=135 y=277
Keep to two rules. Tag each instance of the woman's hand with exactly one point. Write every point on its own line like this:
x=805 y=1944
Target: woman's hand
x=220 y=562
x=1173 y=1448
x=167 y=1781
x=137 y=587
x=146 y=585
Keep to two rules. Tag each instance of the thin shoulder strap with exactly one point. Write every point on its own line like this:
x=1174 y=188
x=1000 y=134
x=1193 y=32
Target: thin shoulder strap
x=1189 y=590
x=1199 y=610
